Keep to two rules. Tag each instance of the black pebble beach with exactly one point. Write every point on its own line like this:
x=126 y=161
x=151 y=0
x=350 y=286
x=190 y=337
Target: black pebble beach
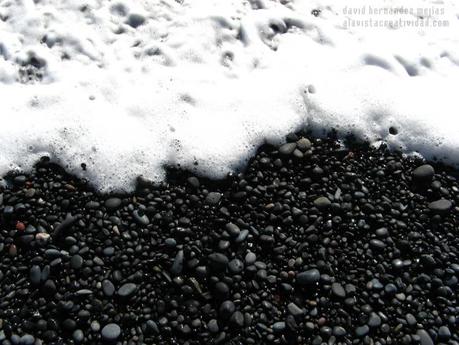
x=314 y=243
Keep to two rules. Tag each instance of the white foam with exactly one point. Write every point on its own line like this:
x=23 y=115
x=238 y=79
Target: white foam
x=129 y=87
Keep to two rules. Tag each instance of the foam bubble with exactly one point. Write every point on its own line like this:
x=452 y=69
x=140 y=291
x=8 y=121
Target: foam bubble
x=129 y=87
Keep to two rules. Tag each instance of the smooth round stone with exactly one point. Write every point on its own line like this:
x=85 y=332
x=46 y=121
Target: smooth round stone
x=242 y=236
x=374 y=320
x=8 y=210
x=410 y=319
x=213 y=198
x=377 y=244
x=212 y=326
x=35 y=275
x=286 y=287
x=237 y=319
x=325 y=331
x=109 y=251
x=298 y=154
x=444 y=333
x=262 y=274
x=235 y=266
x=440 y=206
x=50 y=286
x=127 y=289
x=455 y=267
x=338 y=290
x=287 y=149
x=390 y=289
x=170 y=242
x=27 y=339
x=142 y=181
x=78 y=336
x=223 y=245
x=151 y=327
x=304 y=144
x=45 y=273
x=113 y=203
x=69 y=324
x=76 y=261
x=92 y=205
x=233 y=229
x=382 y=232
x=95 y=326
x=294 y=309
x=425 y=338
x=218 y=261
x=322 y=202
x=196 y=323
x=227 y=308
x=108 y=288
x=362 y=331
x=83 y=292
x=376 y=284
x=222 y=290
x=397 y=263
x=250 y=258
x=52 y=253
x=193 y=181
x=140 y=217
x=278 y=327
x=111 y=332
x=308 y=277
x=19 y=180
x=338 y=331
x=317 y=171
x=424 y=173
x=428 y=261
x=135 y=20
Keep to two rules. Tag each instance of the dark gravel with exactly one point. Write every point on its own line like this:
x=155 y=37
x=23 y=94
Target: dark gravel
x=314 y=243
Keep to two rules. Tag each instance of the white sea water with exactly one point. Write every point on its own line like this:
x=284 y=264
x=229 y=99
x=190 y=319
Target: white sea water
x=128 y=87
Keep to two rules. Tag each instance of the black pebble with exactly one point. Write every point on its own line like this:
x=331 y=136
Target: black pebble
x=113 y=203
x=287 y=148
x=76 y=261
x=218 y=262
x=308 y=277
x=35 y=275
x=362 y=331
x=338 y=290
x=111 y=332
x=226 y=309
x=440 y=206
x=424 y=173
x=141 y=217
x=126 y=290
x=108 y=288
x=213 y=198
x=322 y=203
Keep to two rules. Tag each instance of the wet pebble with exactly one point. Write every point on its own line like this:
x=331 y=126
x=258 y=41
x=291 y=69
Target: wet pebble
x=110 y=332
x=440 y=206
x=126 y=290
x=108 y=288
x=308 y=277
x=113 y=203
x=338 y=290
x=423 y=173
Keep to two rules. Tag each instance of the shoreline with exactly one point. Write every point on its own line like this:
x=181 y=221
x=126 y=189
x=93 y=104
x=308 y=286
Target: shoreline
x=313 y=242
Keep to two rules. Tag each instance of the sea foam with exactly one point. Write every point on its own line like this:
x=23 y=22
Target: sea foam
x=129 y=87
